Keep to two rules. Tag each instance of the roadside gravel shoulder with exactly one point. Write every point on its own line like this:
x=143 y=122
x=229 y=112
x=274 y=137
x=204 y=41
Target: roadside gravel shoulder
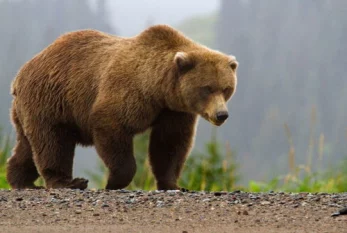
x=96 y=211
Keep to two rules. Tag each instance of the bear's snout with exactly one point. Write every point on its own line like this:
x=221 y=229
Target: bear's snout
x=216 y=110
x=222 y=116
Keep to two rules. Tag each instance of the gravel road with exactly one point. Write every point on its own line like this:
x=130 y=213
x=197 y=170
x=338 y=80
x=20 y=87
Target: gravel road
x=97 y=211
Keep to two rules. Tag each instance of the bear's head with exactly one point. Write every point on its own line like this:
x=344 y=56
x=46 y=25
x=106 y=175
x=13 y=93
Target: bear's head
x=207 y=80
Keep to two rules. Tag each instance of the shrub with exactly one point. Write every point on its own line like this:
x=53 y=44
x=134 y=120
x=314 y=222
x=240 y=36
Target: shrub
x=210 y=170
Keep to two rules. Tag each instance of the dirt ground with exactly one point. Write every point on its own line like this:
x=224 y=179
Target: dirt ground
x=173 y=211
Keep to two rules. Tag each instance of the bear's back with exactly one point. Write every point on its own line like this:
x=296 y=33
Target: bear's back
x=69 y=54
x=63 y=75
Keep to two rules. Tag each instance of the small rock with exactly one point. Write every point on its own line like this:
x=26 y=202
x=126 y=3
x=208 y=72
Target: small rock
x=265 y=203
x=251 y=196
x=130 y=201
x=78 y=211
x=124 y=191
x=173 y=191
x=340 y=212
x=160 y=203
x=303 y=203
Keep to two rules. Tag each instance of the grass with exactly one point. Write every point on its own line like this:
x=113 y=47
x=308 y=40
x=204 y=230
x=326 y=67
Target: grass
x=214 y=169
x=308 y=177
x=5 y=150
x=305 y=180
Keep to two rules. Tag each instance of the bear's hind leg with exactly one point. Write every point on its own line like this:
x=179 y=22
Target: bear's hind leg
x=53 y=154
x=170 y=142
x=21 y=171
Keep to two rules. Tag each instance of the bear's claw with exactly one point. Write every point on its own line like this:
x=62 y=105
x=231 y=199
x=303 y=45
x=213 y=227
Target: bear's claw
x=78 y=183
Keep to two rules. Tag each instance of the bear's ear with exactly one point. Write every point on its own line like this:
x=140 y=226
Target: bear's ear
x=183 y=62
x=233 y=63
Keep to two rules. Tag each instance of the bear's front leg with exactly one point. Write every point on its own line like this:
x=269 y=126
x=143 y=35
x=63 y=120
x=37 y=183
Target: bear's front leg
x=116 y=150
x=170 y=142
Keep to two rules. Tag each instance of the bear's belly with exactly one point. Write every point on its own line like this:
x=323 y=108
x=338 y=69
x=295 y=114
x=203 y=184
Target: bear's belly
x=139 y=116
x=141 y=123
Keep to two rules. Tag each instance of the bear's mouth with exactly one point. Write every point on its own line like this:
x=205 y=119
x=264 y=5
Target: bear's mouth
x=211 y=120
x=217 y=123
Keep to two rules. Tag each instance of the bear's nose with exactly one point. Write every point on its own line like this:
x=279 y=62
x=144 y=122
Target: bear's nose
x=222 y=116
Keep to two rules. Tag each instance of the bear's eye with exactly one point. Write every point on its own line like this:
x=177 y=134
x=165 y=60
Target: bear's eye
x=206 y=90
x=228 y=92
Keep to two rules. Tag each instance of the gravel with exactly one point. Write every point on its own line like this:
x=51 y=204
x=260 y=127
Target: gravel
x=95 y=211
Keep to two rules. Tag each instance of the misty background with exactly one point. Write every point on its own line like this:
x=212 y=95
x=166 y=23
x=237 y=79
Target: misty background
x=291 y=77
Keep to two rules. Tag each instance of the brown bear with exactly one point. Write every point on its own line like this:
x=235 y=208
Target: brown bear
x=92 y=88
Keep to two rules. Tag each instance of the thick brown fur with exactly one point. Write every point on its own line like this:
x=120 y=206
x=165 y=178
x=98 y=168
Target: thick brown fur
x=92 y=88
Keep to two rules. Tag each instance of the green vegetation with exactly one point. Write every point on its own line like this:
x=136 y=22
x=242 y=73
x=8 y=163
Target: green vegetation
x=308 y=177
x=5 y=149
x=304 y=180
x=215 y=169
x=212 y=170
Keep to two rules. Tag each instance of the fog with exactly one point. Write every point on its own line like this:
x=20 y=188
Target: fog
x=291 y=74
x=130 y=17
